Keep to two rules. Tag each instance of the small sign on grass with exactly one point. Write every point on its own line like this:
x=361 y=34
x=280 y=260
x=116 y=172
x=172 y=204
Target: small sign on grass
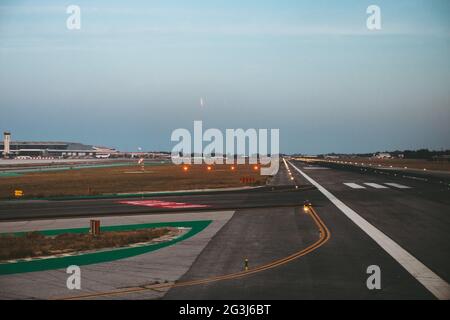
x=18 y=193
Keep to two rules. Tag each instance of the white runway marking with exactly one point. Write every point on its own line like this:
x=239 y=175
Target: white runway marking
x=430 y=280
x=396 y=185
x=375 y=185
x=354 y=185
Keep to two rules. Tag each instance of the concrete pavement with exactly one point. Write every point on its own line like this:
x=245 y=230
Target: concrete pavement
x=165 y=265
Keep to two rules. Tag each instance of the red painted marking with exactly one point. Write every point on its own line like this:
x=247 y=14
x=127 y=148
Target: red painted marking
x=164 y=204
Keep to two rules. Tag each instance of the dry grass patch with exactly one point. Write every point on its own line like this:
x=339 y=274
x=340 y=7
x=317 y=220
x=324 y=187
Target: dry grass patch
x=35 y=244
x=119 y=179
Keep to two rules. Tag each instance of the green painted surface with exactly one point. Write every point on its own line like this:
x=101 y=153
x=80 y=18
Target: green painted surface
x=103 y=256
x=9 y=174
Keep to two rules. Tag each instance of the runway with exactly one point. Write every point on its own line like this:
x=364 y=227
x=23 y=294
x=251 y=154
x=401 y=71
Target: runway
x=269 y=196
x=416 y=218
x=269 y=225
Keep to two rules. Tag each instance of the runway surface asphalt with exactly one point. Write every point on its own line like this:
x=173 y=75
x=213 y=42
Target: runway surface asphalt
x=416 y=218
x=270 y=224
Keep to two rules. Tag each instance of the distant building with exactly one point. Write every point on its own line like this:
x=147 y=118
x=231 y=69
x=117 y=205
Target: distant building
x=51 y=149
x=383 y=155
x=103 y=152
x=6 y=144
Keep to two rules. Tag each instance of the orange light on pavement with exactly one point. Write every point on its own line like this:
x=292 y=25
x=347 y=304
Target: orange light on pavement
x=233 y=168
x=209 y=168
x=255 y=167
x=185 y=168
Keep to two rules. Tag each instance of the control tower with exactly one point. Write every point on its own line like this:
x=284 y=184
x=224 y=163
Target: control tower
x=6 y=143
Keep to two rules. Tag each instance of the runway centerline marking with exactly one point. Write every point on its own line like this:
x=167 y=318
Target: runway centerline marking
x=354 y=185
x=397 y=185
x=430 y=280
x=324 y=236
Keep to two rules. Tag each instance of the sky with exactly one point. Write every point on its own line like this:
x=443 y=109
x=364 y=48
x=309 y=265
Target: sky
x=137 y=70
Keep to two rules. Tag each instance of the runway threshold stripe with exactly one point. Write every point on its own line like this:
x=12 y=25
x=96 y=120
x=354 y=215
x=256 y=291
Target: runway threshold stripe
x=397 y=185
x=430 y=280
x=353 y=185
x=375 y=185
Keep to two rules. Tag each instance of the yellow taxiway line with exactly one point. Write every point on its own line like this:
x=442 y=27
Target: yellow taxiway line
x=323 y=238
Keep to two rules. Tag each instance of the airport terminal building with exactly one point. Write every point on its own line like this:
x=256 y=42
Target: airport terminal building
x=12 y=149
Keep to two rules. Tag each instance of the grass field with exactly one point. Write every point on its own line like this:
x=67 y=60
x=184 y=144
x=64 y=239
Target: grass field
x=131 y=179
